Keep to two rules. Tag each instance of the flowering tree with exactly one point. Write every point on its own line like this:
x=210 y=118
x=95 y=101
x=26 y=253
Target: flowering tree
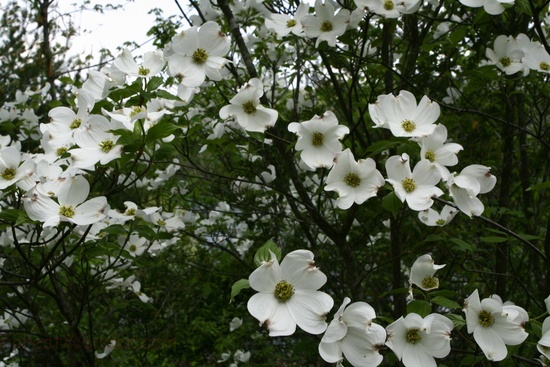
x=322 y=155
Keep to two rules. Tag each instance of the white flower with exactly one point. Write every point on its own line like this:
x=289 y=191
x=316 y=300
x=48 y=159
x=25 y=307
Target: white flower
x=493 y=7
x=416 y=340
x=441 y=154
x=153 y=62
x=355 y=182
x=324 y=25
x=353 y=334
x=494 y=325
x=403 y=116
x=241 y=356
x=432 y=218
x=283 y=24
x=198 y=53
x=319 y=139
x=70 y=206
x=246 y=108
x=235 y=324
x=422 y=273
x=543 y=345
x=11 y=169
x=464 y=188
x=288 y=295
x=136 y=288
x=107 y=350
x=416 y=187
x=547 y=302
x=537 y=58
x=508 y=54
x=389 y=8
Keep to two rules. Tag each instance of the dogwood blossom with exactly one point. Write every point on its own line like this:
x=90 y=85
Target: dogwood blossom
x=107 y=350
x=422 y=273
x=352 y=334
x=416 y=340
x=464 y=188
x=417 y=188
x=493 y=7
x=543 y=344
x=11 y=169
x=246 y=108
x=153 y=62
x=508 y=52
x=494 y=325
x=283 y=24
x=432 y=218
x=288 y=295
x=403 y=116
x=441 y=154
x=319 y=139
x=389 y=8
x=354 y=181
x=198 y=53
x=325 y=25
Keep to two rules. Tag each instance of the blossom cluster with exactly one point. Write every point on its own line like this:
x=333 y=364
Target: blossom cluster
x=518 y=55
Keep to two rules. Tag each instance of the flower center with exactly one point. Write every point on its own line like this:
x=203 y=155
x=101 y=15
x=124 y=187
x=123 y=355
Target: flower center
x=291 y=23
x=249 y=107
x=61 y=151
x=408 y=184
x=283 y=291
x=408 y=125
x=440 y=222
x=317 y=139
x=430 y=155
x=66 y=211
x=8 y=174
x=505 y=61
x=200 y=56
x=143 y=71
x=130 y=212
x=544 y=66
x=326 y=26
x=486 y=319
x=352 y=179
x=413 y=336
x=75 y=124
x=161 y=223
x=106 y=145
x=430 y=282
x=388 y=5
x=133 y=248
x=136 y=110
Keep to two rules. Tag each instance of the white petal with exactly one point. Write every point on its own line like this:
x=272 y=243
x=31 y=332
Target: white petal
x=330 y=352
x=490 y=343
x=309 y=310
x=298 y=268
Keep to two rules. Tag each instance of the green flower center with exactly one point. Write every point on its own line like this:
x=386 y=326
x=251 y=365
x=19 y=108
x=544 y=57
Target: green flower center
x=486 y=319
x=130 y=212
x=352 y=179
x=8 y=174
x=440 y=222
x=388 y=5
x=132 y=248
x=106 y=145
x=544 y=66
x=430 y=155
x=75 y=124
x=291 y=23
x=161 y=223
x=143 y=71
x=66 y=211
x=505 y=61
x=284 y=291
x=200 y=56
x=249 y=108
x=326 y=26
x=430 y=282
x=317 y=139
x=61 y=151
x=413 y=336
x=408 y=125
x=136 y=110
x=408 y=184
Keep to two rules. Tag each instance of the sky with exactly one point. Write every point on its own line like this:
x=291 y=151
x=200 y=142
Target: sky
x=114 y=27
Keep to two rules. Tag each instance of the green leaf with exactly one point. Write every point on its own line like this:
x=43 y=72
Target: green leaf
x=23 y=218
x=391 y=203
x=421 y=307
x=115 y=229
x=160 y=130
x=238 y=286
x=380 y=146
x=462 y=245
x=10 y=215
x=540 y=186
x=264 y=253
x=154 y=83
x=458 y=320
x=445 y=302
x=493 y=239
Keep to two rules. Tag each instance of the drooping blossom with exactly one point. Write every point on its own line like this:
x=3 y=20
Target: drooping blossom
x=493 y=7
x=325 y=25
x=422 y=273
